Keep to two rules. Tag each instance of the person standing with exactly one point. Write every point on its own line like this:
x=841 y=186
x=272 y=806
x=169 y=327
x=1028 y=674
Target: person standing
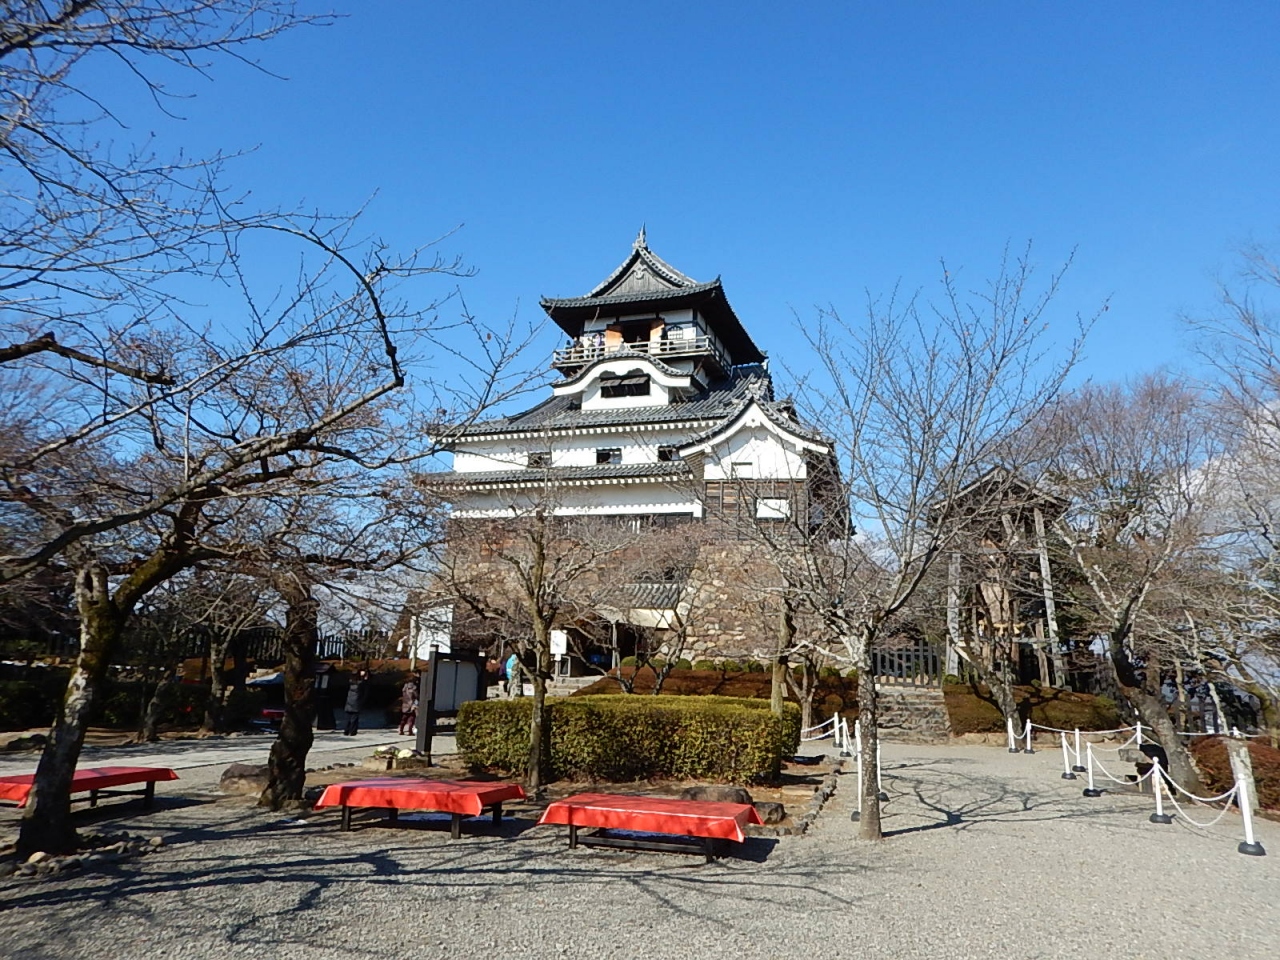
x=515 y=682
x=356 y=694
x=409 y=705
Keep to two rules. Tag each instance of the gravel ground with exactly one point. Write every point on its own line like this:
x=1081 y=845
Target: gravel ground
x=989 y=855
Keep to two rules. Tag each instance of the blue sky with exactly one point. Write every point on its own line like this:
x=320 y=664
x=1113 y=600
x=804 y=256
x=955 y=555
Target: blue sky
x=805 y=152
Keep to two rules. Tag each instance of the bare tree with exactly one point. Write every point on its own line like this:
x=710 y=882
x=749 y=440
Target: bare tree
x=922 y=400
x=128 y=423
x=1135 y=464
x=525 y=575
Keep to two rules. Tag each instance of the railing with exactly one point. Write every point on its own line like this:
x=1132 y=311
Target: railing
x=580 y=353
x=908 y=662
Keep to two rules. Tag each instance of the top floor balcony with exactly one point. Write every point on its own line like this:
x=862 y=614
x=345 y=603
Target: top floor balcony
x=586 y=350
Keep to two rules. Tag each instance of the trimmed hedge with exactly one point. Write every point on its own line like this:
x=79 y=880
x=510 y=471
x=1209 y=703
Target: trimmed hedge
x=623 y=737
x=1211 y=757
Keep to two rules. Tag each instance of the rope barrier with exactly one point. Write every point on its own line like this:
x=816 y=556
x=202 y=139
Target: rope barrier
x=1125 y=782
x=1191 y=796
x=835 y=719
x=1182 y=814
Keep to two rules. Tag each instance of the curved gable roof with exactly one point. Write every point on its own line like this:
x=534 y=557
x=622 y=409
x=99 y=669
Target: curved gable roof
x=644 y=282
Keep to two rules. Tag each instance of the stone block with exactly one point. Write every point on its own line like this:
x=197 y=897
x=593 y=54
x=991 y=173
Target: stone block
x=245 y=779
x=770 y=812
x=716 y=793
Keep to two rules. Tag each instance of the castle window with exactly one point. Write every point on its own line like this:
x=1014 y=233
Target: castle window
x=609 y=455
x=614 y=387
x=667 y=454
x=773 y=508
x=540 y=458
x=743 y=470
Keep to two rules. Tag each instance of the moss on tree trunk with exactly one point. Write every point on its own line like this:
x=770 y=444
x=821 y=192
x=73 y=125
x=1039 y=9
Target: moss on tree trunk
x=287 y=765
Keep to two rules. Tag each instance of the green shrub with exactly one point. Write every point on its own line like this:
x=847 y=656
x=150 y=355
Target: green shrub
x=25 y=704
x=731 y=666
x=852 y=673
x=832 y=672
x=755 y=666
x=682 y=664
x=705 y=665
x=951 y=680
x=623 y=737
x=628 y=661
x=657 y=663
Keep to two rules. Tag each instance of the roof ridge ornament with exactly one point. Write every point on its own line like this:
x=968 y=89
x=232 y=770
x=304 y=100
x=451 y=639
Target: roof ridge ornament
x=641 y=241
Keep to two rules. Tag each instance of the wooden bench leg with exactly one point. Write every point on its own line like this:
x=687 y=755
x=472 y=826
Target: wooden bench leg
x=149 y=795
x=455 y=826
x=709 y=847
x=346 y=817
x=497 y=813
x=573 y=836
x=93 y=798
x=393 y=814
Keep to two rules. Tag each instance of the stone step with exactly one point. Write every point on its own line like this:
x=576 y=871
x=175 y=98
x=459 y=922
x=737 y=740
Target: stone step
x=912 y=713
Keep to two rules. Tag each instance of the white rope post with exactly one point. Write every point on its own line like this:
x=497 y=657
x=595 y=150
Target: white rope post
x=1138 y=734
x=884 y=797
x=1077 y=767
x=1157 y=787
x=857 y=752
x=1241 y=769
x=1067 y=773
x=1013 y=741
x=1090 y=790
x=1028 y=747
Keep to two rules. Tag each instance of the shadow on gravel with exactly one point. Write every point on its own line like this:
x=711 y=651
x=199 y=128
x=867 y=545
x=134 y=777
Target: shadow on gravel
x=274 y=872
x=946 y=796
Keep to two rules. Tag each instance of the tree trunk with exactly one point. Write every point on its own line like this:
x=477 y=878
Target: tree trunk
x=660 y=676
x=287 y=766
x=998 y=687
x=868 y=718
x=778 y=686
x=804 y=690
x=147 y=732
x=46 y=820
x=1180 y=680
x=785 y=640
x=213 y=709
x=1151 y=710
x=539 y=722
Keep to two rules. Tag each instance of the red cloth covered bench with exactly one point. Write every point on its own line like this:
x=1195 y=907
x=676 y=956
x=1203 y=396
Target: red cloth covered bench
x=461 y=798
x=97 y=781
x=707 y=822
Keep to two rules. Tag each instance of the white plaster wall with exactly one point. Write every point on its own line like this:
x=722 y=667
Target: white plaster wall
x=639 y=446
x=772 y=457
x=634 y=498
x=498 y=455
x=658 y=396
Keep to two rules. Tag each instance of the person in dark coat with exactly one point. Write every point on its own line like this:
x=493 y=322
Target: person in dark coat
x=356 y=693
x=409 y=705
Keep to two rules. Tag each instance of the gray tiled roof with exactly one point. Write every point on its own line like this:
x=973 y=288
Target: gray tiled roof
x=647 y=596
x=675 y=469
x=648 y=297
x=641 y=253
x=722 y=400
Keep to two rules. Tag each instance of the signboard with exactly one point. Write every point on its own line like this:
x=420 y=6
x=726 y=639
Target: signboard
x=450 y=680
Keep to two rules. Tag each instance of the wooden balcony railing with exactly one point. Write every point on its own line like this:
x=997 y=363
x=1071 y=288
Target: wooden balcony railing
x=580 y=354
